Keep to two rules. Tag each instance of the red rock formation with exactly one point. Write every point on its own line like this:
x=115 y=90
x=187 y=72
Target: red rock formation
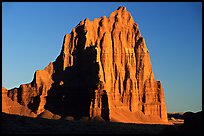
x=33 y=95
x=13 y=107
x=104 y=67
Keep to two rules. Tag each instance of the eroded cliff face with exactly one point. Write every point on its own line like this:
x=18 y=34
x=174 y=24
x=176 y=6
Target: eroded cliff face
x=13 y=107
x=104 y=67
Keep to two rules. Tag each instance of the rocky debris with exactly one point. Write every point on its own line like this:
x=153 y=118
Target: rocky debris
x=48 y=115
x=84 y=119
x=97 y=119
x=13 y=124
x=69 y=118
x=104 y=67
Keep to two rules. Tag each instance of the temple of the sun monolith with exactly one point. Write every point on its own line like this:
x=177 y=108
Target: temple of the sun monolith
x=103 y=70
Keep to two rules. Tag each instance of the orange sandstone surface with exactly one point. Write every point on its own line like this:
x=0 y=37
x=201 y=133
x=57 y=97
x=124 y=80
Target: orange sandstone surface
x=103 y=70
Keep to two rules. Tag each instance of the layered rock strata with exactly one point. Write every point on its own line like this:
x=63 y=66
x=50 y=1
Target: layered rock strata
x=104 y=67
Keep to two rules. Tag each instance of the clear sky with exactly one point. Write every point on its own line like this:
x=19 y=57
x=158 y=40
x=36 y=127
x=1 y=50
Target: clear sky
x=32 y=36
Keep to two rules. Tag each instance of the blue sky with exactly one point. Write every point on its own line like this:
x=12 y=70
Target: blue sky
x=32 y=36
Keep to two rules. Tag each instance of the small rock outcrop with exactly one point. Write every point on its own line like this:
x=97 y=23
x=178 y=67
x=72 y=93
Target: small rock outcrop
x=13 y=107
x=104 y=67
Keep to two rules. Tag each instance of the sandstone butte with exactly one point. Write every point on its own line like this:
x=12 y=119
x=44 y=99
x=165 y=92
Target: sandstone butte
x=103 y=71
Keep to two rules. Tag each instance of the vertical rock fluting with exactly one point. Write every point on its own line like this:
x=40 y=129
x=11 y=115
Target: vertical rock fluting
x=104 y=62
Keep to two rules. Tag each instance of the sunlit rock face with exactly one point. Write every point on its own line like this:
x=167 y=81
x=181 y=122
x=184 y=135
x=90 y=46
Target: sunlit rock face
x=13 y=107
x=104 y=70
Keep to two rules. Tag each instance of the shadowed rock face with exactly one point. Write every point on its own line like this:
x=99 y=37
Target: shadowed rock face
x=104 y=66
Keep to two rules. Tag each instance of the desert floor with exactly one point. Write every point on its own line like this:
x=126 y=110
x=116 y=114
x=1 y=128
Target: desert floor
x=14 y=124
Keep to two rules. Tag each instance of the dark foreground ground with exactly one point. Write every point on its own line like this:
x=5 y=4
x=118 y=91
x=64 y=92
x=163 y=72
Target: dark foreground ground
x=13 y=124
